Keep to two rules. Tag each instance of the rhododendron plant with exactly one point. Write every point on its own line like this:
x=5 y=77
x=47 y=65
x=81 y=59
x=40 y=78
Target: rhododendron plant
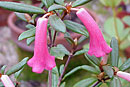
x=61 y=31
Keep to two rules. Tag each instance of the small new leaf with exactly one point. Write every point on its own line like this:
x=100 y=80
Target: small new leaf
x=109 y=71
x=55 y=77
x=3 y=69
x=56 y=7
x=30 y=40
x=69 y=38
x=81 y=52
x=61 y=69
x=59 y=51
x=17 y=74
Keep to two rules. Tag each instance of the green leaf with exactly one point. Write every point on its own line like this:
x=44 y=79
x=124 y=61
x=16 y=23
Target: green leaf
x=125 y=65
x=114 y=55
x=126 y=19
x=115 y=82
x=108 y=70
x=59 y=51
x=56 y=7
x=112 y=3
x=22 y=8
x=93 y=59
x=17 y=67
x=55 y=77
x=75 y=27
x=125 y=34
x=61 y=2
x=57 y=23
x=92 y=62
x=21 y=16
x=125 y=43
x=30 y=26
x=3 y=69
x=89 y=69
x=30 y=40
x=83 y=67
x=61 y=69
x=124 y=82
x=17 y=74
x=48 y=3
x=80 y=2
x=27 y=34
x=82 y=39
x=85 y=83
x=109 y=28
x=1 y=84
x=116 y=2
x=105 y=2
x=63 y=84
x=69 y=38
x=81 y=52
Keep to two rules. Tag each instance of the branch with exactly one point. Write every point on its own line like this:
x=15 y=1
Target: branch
x=61 y=76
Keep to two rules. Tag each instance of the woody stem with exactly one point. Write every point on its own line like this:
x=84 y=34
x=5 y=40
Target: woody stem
x=60 y=78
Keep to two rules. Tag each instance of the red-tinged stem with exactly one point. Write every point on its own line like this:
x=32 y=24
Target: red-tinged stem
x=68 y=60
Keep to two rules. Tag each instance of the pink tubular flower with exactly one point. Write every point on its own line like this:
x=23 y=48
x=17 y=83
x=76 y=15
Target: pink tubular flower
x=98 y=45
x=124 y=75
x=41 y=59
x=6 y=81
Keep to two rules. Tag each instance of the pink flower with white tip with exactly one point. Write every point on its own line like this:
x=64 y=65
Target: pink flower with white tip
x=123 y=75
x=6 y=81
x=98 y=46
x=42 y=58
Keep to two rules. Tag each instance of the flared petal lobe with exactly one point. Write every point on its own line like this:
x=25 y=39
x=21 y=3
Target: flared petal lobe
x=98 y=46
x=123 y=75
x=6 y=81
x=42 y=58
